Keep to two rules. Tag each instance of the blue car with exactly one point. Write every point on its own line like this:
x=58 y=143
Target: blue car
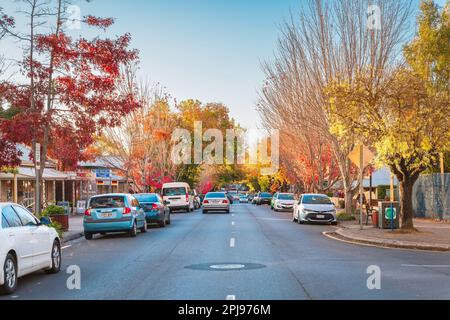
x=156 y=211
x=113 y=213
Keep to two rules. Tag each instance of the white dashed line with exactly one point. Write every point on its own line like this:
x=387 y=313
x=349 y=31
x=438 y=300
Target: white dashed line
x=232 y=242
x=232 y=223
x=231 y=297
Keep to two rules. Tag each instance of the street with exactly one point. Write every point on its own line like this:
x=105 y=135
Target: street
x=271 y=258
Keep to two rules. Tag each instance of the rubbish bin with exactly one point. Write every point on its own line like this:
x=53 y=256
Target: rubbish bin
x=389 y=215
x=375 y=218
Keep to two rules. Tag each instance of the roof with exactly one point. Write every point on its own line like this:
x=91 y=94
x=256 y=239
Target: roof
x=26 y=154
x=29 y=173
x=107 y=162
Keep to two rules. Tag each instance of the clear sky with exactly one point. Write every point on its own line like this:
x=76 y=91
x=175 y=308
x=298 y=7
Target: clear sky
x=208 y=50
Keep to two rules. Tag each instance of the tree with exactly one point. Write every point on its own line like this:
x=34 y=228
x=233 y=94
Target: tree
x=70 y=94
x=407 y=118
x=330 y=40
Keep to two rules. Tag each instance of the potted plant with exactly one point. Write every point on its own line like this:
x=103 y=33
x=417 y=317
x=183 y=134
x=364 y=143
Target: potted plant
x=57 y=215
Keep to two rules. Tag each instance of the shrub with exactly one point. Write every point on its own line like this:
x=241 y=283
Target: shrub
x=53 y=211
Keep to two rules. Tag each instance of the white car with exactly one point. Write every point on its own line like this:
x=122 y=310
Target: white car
x=315 y=208
x=283 y=202
x=26 y=246
x=178 y=196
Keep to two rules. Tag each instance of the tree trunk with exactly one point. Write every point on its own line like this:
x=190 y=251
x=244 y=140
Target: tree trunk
x=406 y=203
x=348 y=201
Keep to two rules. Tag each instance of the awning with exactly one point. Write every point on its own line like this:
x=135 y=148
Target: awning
x=28 y=173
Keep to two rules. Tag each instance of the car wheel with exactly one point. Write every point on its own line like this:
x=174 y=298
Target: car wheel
x=300 y=221
x=133 y=231
x=205 y=211
x=56 y=258
x=144 y=227
x=162 y=223
x=335 y=223
x=88 y=235
x=228 y=211
x=10 y=275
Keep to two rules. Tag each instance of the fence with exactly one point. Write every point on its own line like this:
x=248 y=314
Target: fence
x=431 y=197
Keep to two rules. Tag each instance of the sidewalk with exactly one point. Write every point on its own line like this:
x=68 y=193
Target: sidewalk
x=75 y=229
x=434 y=236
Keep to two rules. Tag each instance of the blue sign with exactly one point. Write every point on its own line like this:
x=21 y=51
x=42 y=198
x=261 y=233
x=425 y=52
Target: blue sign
x=103 y=174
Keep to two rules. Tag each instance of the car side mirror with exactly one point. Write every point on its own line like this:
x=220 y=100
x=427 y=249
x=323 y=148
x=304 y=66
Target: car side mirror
x=45 y=221
x=166 y=202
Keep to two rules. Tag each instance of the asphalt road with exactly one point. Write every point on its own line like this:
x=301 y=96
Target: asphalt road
x=274 y=259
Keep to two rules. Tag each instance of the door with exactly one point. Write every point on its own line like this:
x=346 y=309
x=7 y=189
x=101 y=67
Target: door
x=40 y=238
x=22 y=239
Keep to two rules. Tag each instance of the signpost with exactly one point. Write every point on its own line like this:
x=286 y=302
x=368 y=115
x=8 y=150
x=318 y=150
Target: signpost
x=37 y=157
x=361 y=156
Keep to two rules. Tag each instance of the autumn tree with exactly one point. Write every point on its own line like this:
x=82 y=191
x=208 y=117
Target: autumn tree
x=408 y=119
x=329 y=40
x=70 y=90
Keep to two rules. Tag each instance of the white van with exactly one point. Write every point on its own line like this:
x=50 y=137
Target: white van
x=179 y=196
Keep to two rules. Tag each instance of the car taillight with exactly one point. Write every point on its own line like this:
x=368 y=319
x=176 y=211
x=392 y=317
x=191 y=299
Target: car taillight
x=155 y=206
x=87 y=213
x=127 y=211
x=225 y=201
x=187 y=197
x=206 y=201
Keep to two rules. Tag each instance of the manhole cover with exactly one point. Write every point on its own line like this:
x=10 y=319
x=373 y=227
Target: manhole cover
x=226 y=266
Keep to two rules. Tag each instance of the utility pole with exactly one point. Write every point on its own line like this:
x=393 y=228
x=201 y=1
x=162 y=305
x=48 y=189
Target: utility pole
x=361 y=187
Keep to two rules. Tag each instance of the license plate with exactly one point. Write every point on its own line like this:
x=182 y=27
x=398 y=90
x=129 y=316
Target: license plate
x=216 y=201
x=107 y=215
x=320 y=216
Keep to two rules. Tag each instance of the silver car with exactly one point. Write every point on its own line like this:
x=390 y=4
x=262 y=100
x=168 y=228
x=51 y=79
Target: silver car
x=216 y=201
x=316 y=208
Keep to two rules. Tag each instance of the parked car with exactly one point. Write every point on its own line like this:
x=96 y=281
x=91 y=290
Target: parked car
x=243 y=198
x=156 y=211
x=250 y=197
x=229 y=196
x=179 y=195
x=272 y=202
x=315 y=208
x=26 y=246
x=216 y=201
x=264 y=198
x=113 y=213
x=283 y=202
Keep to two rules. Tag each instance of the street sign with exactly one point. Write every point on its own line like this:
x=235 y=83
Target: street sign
x=355 y=156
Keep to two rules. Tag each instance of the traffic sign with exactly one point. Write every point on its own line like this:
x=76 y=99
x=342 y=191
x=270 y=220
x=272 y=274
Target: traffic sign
x=103 y=173
x=355 y=156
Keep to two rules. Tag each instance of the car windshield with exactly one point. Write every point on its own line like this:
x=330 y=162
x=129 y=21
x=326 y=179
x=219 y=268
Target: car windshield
x=243 y=196
x=314 y=199
x=266 y=195
x=146 y=198
x=286 y=197
x=216 y=195
x=170 y=192
x=107 y=202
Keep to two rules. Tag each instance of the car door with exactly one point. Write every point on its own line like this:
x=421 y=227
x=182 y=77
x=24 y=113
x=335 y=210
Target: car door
x=41 y=241
x=22 y=239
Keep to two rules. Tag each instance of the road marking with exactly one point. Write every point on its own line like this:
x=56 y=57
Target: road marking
x=232 y=223
x=232 y=215
x=232 y=242
x=231 y=297
x=425 y=266
x=66 y=247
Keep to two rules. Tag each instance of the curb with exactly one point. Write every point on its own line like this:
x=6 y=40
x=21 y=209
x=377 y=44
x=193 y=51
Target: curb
x=340 y=235
x=72 y=237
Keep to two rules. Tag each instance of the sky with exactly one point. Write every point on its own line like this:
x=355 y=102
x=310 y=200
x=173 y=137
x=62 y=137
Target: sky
x=210 y=50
